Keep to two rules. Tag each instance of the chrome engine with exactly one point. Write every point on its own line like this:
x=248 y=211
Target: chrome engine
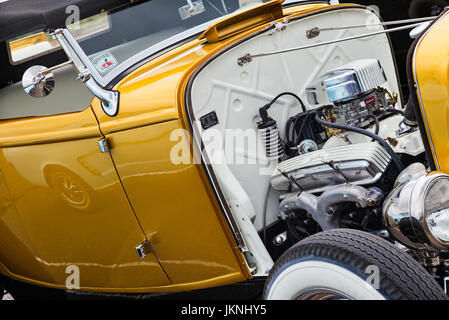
x=330 y=176
x=337 y=175
x=354 y=89
x=318 y=171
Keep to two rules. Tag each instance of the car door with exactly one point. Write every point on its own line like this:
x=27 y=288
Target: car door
x=62 y=203
x=173 y=202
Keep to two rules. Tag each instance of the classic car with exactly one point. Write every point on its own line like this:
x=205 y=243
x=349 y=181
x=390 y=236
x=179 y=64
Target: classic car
x=172 y=146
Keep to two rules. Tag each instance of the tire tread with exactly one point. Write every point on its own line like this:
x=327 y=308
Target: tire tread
x=401 y=276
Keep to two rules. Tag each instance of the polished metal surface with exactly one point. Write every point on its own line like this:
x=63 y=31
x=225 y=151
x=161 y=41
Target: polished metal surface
x=251 y=57
x=412 y=172
x=144 y=249
x=354 y=89
x=404 y=129
x=280 y=239
x=322 y=294
x=324 y=209
x=103 y=145
x=387 y=23
x=361 y=164
x=109 y=98
x=404 y=213
x=359 y=112
x=87 y=72
x=347 y=82
x=307 y=146
x=37 y=82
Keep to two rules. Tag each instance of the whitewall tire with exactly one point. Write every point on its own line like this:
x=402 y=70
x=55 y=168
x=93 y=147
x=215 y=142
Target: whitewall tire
x=348 y=264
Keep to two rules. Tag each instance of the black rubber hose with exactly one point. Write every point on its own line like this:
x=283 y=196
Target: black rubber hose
x=367 y=133
x=303 y=106
x=288 y=130
x=301 y=129
x=396 y=111
x=410 y=115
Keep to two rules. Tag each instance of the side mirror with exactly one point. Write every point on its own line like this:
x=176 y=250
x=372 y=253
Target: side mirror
x=38 y=81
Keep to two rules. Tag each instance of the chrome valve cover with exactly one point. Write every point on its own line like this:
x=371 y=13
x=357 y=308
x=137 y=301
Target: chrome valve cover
x=358 y=164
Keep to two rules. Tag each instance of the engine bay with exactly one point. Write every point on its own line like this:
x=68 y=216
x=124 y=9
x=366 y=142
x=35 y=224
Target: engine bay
x=352 y=97
x=334 y=136
x=331 y=185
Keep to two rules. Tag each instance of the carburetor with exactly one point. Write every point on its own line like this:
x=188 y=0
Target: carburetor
x=355 y=91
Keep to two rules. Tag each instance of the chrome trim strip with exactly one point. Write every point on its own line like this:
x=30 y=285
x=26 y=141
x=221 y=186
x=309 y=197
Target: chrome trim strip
x=419 y=92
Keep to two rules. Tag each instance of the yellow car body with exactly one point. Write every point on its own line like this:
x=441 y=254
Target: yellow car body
x=193 y=245
x=429 y=70
x=64 y=202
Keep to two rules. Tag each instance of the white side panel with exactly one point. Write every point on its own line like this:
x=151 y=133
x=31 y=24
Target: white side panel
x=236 y=93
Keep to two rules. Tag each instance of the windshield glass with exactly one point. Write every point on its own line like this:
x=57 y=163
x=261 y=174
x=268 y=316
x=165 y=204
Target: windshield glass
x=138 y=27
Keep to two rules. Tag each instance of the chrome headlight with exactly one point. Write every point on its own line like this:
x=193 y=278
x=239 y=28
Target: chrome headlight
x=417 y=211
x=433 y=209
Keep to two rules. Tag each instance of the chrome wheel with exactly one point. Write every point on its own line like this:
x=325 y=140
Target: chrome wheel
x=322 y=294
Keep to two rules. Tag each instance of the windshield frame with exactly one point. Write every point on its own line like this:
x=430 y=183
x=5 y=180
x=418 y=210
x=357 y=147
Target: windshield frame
x=142 y=55
x=106 y=80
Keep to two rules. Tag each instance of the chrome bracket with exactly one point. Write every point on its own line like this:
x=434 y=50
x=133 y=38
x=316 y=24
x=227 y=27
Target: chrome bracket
x=144 y=249
x=109 y=98
x=247 y=58
x=277 y=27
x=104 y=146
x=405 y=129
x=84 y=76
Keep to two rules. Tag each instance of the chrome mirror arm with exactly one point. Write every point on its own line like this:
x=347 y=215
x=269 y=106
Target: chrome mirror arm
x=59 y=66
x=109 y=98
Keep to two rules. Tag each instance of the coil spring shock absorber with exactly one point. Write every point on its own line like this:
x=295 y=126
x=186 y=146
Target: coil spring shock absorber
x=269 y=132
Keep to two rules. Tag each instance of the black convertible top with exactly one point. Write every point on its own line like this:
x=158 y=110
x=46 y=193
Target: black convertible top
x=18 y=17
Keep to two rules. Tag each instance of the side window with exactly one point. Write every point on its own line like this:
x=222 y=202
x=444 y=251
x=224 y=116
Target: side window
x=69 y=95
x=34 y=44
